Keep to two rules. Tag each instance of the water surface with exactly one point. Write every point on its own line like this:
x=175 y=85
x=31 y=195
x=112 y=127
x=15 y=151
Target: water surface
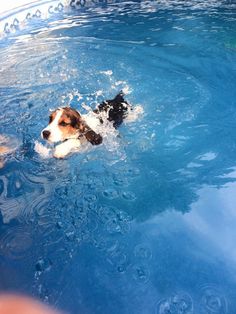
x=147 y=224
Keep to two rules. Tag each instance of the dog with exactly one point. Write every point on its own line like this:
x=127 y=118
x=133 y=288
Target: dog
x=69 y=128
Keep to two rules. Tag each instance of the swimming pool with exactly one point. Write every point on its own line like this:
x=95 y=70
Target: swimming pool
x=145 y=224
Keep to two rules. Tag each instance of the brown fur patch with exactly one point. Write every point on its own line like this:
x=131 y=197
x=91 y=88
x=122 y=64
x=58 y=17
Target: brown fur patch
x=52 y=116
x=69 y=122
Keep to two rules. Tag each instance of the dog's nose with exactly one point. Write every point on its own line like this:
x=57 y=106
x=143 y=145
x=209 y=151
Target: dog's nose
x=46 y=134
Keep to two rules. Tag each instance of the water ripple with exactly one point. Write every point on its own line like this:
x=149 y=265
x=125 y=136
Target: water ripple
x=176 y=304
x=15 y=242
x=23 y=195
x=212 y=301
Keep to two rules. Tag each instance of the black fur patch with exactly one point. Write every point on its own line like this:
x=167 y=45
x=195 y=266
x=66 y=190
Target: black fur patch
x=117 y=109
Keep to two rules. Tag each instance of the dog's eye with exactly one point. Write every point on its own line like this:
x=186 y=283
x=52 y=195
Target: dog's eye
x=50 y=119
x=63 y=123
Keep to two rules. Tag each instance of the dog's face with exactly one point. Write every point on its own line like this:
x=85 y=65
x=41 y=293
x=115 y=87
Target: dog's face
x=64 y=123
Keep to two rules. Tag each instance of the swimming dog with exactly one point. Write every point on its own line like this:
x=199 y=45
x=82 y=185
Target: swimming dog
x=69 y=128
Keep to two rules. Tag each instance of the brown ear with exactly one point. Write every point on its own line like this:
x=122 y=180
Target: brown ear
x=93 y=138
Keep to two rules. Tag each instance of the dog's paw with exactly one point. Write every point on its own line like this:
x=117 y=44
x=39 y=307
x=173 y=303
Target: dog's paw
x=58 y=154
x=61 y=151
x=43 y=151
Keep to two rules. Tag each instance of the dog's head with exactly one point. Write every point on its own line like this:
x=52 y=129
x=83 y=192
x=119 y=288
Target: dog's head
x=66 y=123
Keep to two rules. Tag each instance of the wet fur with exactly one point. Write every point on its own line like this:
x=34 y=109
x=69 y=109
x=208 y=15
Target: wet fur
x=68 y=126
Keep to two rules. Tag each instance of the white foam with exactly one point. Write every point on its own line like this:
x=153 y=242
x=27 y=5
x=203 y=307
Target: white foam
x=126 y=90
x=117 y=83
x=86 y=107
x=105 y=129
x=69 y=97
x=99 y=93
x=108 y=72
x=134 y=114
x=110 y=136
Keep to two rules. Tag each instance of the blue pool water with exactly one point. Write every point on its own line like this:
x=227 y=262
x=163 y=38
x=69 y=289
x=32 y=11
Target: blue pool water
x=147 y=224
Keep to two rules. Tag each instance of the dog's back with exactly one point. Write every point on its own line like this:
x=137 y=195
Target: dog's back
x=116 y=109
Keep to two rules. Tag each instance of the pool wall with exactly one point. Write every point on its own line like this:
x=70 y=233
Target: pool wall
x=15 y=14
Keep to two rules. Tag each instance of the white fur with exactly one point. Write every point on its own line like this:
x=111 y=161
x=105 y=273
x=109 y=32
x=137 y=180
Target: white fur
x=65 y=148
x=92 y=120
x=42 y=150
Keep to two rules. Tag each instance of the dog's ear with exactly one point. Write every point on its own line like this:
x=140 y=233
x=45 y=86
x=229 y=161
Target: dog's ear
x=93 y=137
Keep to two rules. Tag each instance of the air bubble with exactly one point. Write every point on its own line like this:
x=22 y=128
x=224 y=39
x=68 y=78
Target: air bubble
x=90 y=198
x=123 y=216
x=129 y=196
x=59 y=225
x=143 y=252
x=141 y=273
x=131 y=172
x=121 y=268
x=70 y=235
x=113 y=226
x=40 y=265
x=120 y=181
x=110 y=193
x=119 y=224
x=43 y=265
